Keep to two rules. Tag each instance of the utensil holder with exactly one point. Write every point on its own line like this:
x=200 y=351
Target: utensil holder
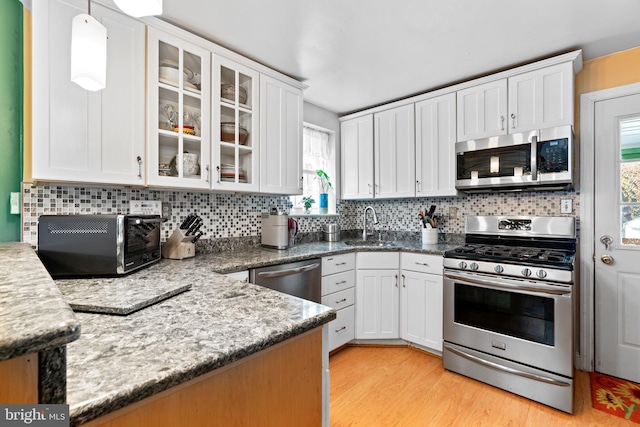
x=179 y=246
x=429 y=236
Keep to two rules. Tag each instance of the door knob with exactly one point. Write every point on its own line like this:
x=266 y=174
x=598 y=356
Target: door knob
x=606 y=241
x=607 y=259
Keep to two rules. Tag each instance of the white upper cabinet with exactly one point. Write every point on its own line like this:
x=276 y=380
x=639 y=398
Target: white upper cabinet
x=394 y=142
x=356 y=137
x=435 y=139
x=179 y=90
x=236 y=126
x=541 y=98
x=482 y=110
x=81 y=136
x=536 y=99
x=280 y=137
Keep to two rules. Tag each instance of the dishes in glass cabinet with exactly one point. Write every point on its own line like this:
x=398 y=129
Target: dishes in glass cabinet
x=228 y=133
x=228 y=173
x=228 y=91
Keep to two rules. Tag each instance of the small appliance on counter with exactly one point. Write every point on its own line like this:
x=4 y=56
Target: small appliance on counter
x=275 y=229
x=98 y=245
x=182 y=243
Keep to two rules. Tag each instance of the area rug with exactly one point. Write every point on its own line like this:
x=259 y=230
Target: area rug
x=615 y=396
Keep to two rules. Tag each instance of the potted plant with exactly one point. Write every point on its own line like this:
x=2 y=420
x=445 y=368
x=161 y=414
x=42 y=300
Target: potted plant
x=325 y=185
x=307 y=202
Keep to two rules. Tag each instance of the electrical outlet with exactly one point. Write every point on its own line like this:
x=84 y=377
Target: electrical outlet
x=166 y=210
x=145 y=207
x=453 y=212
x=566 y=206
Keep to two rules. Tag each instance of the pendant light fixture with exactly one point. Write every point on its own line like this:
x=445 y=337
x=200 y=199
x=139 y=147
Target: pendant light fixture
x=138 y=8
x=88 y=52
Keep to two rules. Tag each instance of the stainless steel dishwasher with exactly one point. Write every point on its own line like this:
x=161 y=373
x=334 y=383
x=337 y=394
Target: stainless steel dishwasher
x=301 y=279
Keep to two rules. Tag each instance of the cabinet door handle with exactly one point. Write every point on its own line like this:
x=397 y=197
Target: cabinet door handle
x=341 y=329
x=369 y=185
x=139 y=160
x=301 y=182
x=404 y=281
x=342 y=282
x=342 y=300
x=513 y=119
x=422 y=263
x=419 y=186
x=396 y=280
x=341 y=263
x=219 y=174
x=502 y=122
x=208 y=173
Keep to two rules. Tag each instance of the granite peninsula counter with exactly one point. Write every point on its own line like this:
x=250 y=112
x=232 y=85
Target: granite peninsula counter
x=218 y=321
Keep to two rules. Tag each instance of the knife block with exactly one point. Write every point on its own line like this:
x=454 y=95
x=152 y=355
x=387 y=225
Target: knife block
x=179 y=246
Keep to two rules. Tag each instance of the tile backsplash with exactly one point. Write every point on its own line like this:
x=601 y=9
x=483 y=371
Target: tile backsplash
x=238 y=216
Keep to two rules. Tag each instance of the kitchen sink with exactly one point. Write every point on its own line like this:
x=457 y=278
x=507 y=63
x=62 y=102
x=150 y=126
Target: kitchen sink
x=375 y=243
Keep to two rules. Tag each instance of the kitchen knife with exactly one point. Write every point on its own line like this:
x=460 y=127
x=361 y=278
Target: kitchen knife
x=187 y=221
x=196 y=237
x=194 y=226
x=191 y=223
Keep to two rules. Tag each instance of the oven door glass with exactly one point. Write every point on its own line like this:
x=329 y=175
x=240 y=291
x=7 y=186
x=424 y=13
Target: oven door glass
x=142 y=235
x=529 y=317
x=503 y=162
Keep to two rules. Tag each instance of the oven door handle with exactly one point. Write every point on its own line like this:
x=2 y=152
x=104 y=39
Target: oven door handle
x=498 y=367
x=138 y=221
x=513 y=286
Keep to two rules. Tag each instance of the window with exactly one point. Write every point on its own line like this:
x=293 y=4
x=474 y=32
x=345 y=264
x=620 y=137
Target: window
x=319 y=153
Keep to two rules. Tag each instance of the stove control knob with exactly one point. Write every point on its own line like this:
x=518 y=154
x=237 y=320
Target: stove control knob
x=498 y=269
x=541 y=274
x=462 y=265
x=474 y=266
x=526 y=272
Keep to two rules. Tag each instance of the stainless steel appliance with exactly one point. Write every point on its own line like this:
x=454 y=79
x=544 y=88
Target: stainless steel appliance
x=537 y=160
x=301 y=279
x=509 y=306
x=275 y=229
x=97 y=245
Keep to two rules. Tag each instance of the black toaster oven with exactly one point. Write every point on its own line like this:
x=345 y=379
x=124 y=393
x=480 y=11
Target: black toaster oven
x=98 y=245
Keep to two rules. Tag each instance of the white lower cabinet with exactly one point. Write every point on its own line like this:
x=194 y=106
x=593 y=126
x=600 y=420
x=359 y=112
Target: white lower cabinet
x=377 y=295
x=338 y=292
x=399 y=296
x=421 y=300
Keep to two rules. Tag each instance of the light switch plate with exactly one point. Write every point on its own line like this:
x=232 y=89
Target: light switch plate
x=566 y=206
x=15 y=203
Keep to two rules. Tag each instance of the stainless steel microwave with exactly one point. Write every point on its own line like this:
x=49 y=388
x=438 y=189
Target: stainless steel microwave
x=536 y=160
x=98 y=245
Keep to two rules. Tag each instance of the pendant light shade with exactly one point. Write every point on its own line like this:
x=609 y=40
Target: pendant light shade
x=88 y=53
x=138 y=8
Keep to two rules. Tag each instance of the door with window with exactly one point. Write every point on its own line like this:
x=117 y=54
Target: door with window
x=617 y=237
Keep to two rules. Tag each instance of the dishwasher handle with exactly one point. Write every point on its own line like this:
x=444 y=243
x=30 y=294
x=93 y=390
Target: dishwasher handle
x=289 y=272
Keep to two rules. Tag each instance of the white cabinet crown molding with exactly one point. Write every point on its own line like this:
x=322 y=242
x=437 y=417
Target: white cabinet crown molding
x=575 y=57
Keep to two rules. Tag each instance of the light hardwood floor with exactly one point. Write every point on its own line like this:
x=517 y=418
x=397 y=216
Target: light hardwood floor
x=400 y=386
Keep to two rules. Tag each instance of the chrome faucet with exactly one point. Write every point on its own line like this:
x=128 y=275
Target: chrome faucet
x=364 y=221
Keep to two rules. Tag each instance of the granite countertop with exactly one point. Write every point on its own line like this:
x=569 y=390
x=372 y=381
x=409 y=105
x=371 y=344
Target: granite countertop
x=256 y=257
x=120 y=360
x=217 y=322
x=33 y=314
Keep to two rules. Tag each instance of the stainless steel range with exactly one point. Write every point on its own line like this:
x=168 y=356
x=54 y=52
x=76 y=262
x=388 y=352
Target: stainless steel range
x=509 y=306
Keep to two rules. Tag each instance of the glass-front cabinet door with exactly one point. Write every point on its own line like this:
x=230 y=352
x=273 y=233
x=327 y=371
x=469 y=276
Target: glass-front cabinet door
x=235 y=131
x=179 y=135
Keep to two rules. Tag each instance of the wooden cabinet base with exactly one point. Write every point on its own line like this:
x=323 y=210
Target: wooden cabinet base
x=19 y=380
x=280 y=386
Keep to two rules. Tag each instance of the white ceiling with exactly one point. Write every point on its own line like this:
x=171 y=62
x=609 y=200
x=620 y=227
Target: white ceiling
x=355 y=54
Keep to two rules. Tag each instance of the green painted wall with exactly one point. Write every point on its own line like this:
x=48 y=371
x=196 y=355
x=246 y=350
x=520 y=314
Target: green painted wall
x=11 y=114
